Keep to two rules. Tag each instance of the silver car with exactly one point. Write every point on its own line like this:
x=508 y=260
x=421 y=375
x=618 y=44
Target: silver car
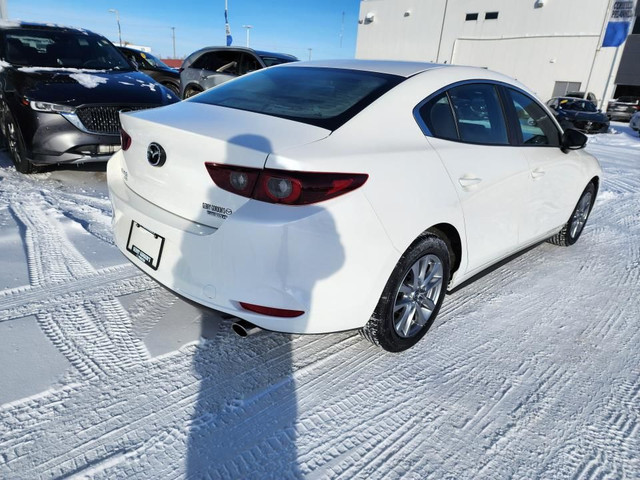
x=212 y=66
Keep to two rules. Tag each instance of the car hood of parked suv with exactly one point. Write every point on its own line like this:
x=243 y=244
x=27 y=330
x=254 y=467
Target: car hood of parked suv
x=75 y=87
x=586 y=116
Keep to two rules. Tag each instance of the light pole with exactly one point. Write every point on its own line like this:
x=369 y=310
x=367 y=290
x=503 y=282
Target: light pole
x=113 y=10
x=173 y=34
x=248 y=28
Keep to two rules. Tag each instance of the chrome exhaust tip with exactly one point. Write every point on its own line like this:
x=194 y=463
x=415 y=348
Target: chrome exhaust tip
x=244 y=328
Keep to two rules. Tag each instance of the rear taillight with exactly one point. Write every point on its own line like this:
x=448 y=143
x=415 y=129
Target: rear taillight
x=271 y=311
x=125 y=140
x=282 y=186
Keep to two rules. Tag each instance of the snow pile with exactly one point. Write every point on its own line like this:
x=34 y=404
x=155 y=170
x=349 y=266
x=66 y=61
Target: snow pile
x=87 y=80
x=59 y=69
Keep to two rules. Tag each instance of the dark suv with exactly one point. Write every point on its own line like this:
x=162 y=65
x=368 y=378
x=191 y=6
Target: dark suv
x=623 y=108
x=154 y=67
x=580 y=114
x=61 y=93
x=212 y=66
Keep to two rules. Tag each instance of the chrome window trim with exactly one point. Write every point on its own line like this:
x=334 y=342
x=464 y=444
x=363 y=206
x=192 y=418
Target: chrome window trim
x=495 y=83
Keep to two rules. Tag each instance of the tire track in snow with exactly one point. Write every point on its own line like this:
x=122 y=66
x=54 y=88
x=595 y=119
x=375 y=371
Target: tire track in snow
x=119 y=280
x=94 y=333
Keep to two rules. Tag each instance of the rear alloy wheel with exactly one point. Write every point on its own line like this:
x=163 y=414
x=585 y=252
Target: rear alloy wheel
x=412 y=297
x=15 y=145
x=573 y=228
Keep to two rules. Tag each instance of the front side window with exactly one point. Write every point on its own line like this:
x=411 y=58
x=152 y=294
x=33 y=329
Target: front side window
x=479 y=114
x=61 y=49
x=219 y=62
x=325 y=97
x=534 y=125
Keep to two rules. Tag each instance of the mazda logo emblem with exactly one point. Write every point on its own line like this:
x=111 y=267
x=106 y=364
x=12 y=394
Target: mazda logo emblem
x=156 y=155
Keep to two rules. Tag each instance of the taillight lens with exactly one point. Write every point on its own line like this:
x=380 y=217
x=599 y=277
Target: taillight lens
x=271 y=311
x=125 y=140
x=282 y=186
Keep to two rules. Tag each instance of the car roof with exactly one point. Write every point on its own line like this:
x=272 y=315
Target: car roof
x=9 y=25
x=393 y=67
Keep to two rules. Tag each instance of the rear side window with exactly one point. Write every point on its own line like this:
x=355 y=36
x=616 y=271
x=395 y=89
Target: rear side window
x=535 y=126
x=325 y=97
x=438 y=117
x=479 y=115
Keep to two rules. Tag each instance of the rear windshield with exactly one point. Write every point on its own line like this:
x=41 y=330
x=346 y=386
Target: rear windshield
x=61 y=49
x=325 y=97
x=628 y=100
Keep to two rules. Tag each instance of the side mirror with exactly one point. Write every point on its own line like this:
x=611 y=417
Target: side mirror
x=573 y=140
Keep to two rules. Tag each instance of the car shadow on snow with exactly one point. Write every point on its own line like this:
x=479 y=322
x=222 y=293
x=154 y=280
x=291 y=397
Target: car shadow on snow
x=244 y=422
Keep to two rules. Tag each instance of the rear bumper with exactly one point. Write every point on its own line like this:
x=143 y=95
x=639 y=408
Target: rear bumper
x=329 y=260
x=620 y=116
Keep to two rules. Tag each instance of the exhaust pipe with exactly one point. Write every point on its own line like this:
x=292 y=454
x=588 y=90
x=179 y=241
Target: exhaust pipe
x=244 y=328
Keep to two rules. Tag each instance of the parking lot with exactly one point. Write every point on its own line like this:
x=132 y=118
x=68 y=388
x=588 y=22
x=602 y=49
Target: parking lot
x=531 y=371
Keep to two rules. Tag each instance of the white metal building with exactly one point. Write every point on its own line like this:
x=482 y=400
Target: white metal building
x=552 y=46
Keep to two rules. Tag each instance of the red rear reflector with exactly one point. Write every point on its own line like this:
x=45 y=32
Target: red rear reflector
x=125 y=140
x=283 y=186
x=272 y=312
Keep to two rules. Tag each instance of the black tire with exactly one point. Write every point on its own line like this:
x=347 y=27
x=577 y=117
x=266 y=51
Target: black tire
x=572 y=230
x=15 y=146
x=173 y=87
x=191 y=91
x=384 y=328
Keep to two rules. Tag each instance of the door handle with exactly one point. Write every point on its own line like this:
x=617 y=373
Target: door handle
x=469 y=181
x=537 y=173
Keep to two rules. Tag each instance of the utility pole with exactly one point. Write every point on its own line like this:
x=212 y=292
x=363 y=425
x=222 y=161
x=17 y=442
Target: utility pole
x=342 y=30
x=3 y=10
x=248 y=28
x=113 y=10
x=173 y=34
x=310 y=49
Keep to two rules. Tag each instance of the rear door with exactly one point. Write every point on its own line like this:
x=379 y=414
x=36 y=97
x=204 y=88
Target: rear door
x=467 y=128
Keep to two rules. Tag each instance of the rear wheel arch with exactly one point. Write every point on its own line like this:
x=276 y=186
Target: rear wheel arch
x=450 y=235
x=596 y=184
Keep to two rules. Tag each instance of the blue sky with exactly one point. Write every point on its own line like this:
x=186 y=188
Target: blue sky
x=288 y=26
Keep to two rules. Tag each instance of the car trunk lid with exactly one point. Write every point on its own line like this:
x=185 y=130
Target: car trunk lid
x=191 y=134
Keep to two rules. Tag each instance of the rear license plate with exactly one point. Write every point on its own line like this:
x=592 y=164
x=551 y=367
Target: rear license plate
x=145 y=245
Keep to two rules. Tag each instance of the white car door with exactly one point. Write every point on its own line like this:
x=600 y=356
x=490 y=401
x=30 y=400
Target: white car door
x=555 y=176
x=467 y=128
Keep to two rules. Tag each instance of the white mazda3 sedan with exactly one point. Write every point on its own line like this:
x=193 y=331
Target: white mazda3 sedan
x=325 y=196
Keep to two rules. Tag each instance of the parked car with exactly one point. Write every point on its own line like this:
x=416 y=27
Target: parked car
x=582 y=115
x=623 y=108
x=589 y=96
x=154 y=67
x=324 y=196
x=634 y=123
x=212 y=66
x=62 y=89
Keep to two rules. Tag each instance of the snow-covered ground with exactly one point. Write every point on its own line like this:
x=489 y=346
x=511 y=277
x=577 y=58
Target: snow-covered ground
x=531 y=371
